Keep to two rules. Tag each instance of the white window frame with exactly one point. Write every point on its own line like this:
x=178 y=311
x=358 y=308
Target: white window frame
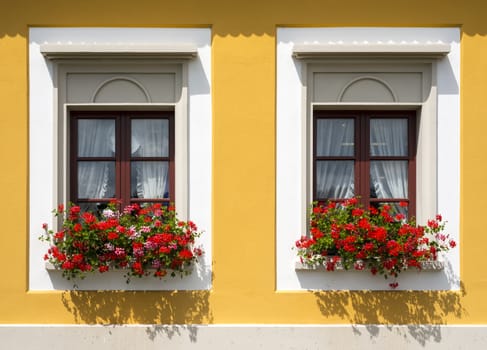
x=80 y=49
x=293 y=139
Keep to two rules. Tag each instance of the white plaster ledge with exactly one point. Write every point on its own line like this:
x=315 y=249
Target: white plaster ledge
x=97 y=51
x=433 y=265
x=51 y=267
x=366 y=49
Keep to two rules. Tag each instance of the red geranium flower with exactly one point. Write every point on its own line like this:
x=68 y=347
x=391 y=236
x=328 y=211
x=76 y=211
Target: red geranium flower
x=112 y=235
x=134 y=238
x=185 y=254
x=385 y=240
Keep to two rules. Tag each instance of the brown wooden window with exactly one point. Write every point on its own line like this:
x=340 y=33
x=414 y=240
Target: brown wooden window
x=124 y=156
x=369 y=154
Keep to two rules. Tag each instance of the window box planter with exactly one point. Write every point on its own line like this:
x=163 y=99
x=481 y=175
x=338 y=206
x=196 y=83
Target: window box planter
x=148 y=272
x=430 y=265
x=142 y=241
x=344 y=236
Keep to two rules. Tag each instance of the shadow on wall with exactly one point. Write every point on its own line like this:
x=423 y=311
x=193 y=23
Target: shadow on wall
x=428 y=309
x=151 y=308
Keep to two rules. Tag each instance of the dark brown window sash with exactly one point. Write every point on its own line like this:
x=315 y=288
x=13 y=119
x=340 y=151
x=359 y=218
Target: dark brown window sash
x=362 y=157
x=123 y=157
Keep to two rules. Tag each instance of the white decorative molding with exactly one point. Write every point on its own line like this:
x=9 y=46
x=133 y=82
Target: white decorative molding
x=366 y=49
x=113 y=79
x=97 y=51
x=368 y=77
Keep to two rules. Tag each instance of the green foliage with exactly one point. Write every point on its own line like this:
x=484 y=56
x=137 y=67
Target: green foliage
x=141 y=240
x=378 y=239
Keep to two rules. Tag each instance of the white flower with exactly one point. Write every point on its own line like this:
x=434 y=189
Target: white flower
x=108 y=213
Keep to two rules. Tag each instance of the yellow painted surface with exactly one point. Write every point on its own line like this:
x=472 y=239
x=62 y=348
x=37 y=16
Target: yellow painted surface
x=244 y=204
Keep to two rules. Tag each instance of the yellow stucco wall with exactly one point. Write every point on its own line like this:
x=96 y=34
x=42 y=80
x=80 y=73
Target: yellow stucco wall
x=243 y=94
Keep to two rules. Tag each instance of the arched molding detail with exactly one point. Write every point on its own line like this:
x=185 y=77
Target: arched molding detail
x=367 y=77
x=121 y=78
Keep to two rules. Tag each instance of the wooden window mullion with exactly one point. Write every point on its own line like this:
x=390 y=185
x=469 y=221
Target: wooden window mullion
x=123 y=162
x=315 y=157
x=172 y=166
x=364 y=160
x=412 y=164
x=73 y=159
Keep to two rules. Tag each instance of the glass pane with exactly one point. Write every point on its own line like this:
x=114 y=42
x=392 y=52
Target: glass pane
x=334 y=179
x=96 y=180
x=150 y=138
x=388 y=137
x=150 y=180
x=335 y=137
x=96 y=137
x=389 y=179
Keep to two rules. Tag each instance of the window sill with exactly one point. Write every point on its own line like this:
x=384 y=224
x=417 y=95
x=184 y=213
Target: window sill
x=198 y=278
x=433 y=265
x=50 y=267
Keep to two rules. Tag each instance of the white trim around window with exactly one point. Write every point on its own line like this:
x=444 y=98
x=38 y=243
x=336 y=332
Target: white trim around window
x=189 y=48
x=299 y=47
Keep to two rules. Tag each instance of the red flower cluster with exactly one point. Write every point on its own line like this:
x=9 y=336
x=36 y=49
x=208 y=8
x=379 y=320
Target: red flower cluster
x=143 y=240
x=378 y=239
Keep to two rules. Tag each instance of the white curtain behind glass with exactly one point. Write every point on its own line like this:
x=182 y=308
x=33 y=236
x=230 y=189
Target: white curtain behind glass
x=96 y=138
x=150 y=138
x=389 y=137
x=335 y=178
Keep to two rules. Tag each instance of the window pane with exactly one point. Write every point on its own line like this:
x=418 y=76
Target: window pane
x=150 y=138
x=150 y=180
x=389 y=179
x=335 y=137
x=96 y=137
x=388 y=137
x=334 y=179
x=96 y=180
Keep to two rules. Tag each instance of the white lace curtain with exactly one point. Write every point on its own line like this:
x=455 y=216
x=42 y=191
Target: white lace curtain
x=335 y=138
x=335 y=178
x=389 y=178
x=150 y=138
x=96 y=138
